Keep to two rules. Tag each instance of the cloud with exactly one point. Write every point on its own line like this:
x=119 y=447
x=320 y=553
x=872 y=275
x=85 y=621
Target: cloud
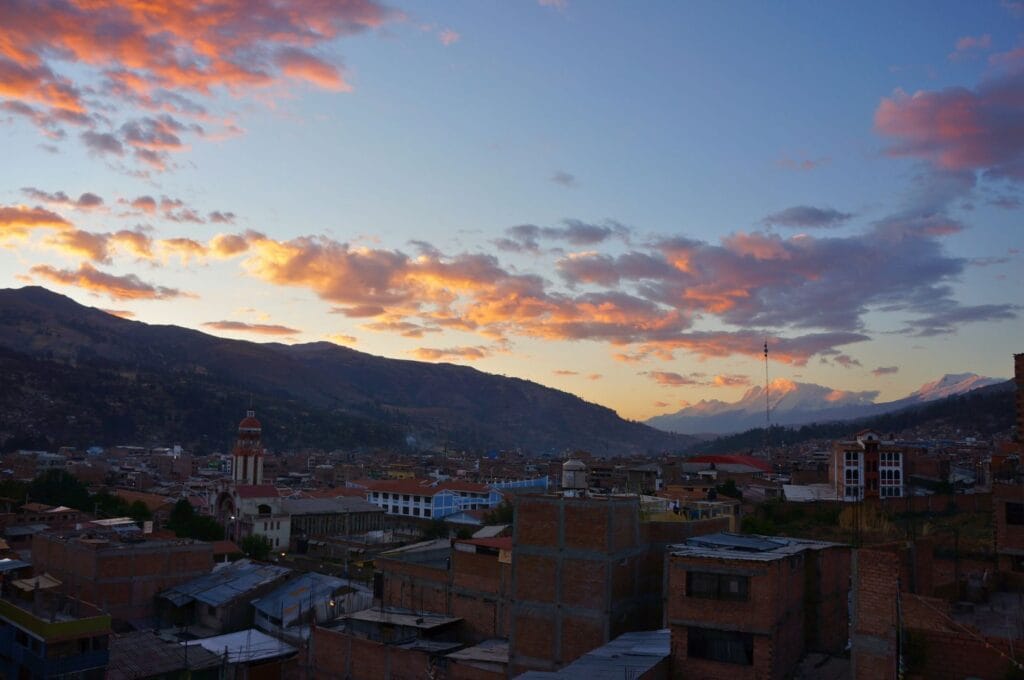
x=449 y=353
x=564 y=178
x=100 y=247
x=448 y=37
x=729 y=380
x=301 y=65
x=342 y=339
x=885 y=370
x=846 y=361
x=948 y=320
x=18 y=221
x=563 y=371
x=526 y=237
x=228 y=245
x=85 y=201
x=258 y=328
x=969 y=45
x=594 y=376
x=219 y=217
x=1006 y=202
x=87 y=277
x=560 y=5
x=120 y=313
x=958 y=128
x=359 y=311
x=65 y=63
x=808 y=217
x=661 y=404
x=671 y=379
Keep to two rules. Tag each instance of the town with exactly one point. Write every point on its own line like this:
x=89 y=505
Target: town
x=870 y=557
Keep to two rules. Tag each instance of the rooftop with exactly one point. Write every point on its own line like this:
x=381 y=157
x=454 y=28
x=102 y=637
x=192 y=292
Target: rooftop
x=144 y=655
x=302 y=592
x=245 y=646
x=627 y=656
x=323 y=506
x=725 y=545
x=394 y=616
x=225 y=584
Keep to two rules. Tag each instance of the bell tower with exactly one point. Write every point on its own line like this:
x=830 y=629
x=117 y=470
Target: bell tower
x=247 y=457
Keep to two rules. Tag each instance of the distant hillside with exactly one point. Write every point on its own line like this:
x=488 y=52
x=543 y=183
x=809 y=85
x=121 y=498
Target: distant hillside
x=71 y=374
x=983 y=412
x=795 y=403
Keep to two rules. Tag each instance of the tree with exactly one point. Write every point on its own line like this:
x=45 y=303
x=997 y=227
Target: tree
x=185 y=523
x=501 y=514
x=139 y=512
x=58 y=487
x=256 y=546
x=436 y=529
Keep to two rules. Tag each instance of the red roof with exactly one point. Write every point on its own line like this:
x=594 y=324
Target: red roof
x=249 y=423
x=472 y=487
x=257 y=491
x=420 y=487
x=225 y=548
x=500 y=543
x=750 y=461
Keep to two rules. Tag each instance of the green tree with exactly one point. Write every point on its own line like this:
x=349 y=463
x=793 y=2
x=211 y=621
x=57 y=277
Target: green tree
x=436 y=529
x=139 y=512
x=256 y=546
x=58 y=487
x=185 y=523
x=501 y=514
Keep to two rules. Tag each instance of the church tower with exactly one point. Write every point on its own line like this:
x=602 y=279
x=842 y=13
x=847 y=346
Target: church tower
x=247 y=457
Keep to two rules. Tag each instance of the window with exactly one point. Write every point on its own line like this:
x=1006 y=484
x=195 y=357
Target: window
x=394 y=509
x=1015 y=513
x=405 y=497
x=720 y=645
x=416 y=512
x=405 y=510
x=717 y=586
x=426 y=512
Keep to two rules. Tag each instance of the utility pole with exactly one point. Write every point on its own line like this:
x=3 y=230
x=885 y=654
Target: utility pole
x=767 y=400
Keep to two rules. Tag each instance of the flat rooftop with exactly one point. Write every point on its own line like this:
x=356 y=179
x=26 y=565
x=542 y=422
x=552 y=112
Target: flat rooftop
x=748 y=547
x=402 y=617
x=628 y=656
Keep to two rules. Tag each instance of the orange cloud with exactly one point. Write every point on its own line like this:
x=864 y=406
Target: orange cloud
x=161 y=59
x=87 y=277
x=342 y=339
x=258 y=328
x=463 y=353
x=121 y=313
x=730 y=380
x=18 y=221
x=565 y=372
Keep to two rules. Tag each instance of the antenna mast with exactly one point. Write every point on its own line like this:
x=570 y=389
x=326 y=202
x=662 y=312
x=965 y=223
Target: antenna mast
x=767 y=399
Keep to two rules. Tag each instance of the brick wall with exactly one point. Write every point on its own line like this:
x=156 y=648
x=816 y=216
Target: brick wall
x=123 y=579
x=338 y=655
x=415 y=586
x=953 y=656
x=481 y=586
x=875 y=594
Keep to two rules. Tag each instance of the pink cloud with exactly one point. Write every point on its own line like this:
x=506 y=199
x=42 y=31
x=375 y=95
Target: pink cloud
x=448 y=37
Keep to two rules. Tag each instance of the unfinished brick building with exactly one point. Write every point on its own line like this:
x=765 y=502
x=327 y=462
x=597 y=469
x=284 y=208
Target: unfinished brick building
x=745 y=607
x=122 y=577
x=584 y=571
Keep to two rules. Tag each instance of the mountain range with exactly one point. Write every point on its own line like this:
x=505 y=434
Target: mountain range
x=795 y=403
x=76 y=375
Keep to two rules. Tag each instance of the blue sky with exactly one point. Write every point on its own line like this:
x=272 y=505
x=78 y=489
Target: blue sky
x=375 y=166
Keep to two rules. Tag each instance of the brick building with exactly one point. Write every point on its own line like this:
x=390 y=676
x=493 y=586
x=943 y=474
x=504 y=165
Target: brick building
x=751 y=606
x=121 y=577
x=584 y=571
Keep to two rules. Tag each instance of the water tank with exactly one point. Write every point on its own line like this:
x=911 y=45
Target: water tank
x=574 y=477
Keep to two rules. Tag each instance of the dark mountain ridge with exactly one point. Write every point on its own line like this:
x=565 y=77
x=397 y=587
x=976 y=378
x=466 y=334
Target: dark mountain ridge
x=77 y=375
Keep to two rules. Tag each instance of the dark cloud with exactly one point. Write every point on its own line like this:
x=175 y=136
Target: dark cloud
x=808 y=217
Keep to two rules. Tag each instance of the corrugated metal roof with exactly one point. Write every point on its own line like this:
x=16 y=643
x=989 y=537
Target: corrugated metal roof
x=225 y=584
x=746 y=547
x=245 y=646
x=628 y=656
x=302 y=591
x=322 y=506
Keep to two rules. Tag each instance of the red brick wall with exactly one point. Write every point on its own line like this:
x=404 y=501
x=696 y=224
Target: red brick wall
x=774 y=613
x=480 y=594
x=953 y=656
x=415 y=586
x=338 y=655
x=828 y=586
x=124 y=580
x=1007 y=536
x=874 y=616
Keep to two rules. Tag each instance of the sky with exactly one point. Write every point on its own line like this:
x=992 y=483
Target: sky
x=620 y=200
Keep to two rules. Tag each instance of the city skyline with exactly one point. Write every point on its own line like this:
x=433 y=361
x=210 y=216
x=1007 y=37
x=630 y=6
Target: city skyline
x=621 y=205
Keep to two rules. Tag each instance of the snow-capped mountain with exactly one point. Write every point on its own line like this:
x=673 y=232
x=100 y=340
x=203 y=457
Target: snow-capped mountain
x=794 y=403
